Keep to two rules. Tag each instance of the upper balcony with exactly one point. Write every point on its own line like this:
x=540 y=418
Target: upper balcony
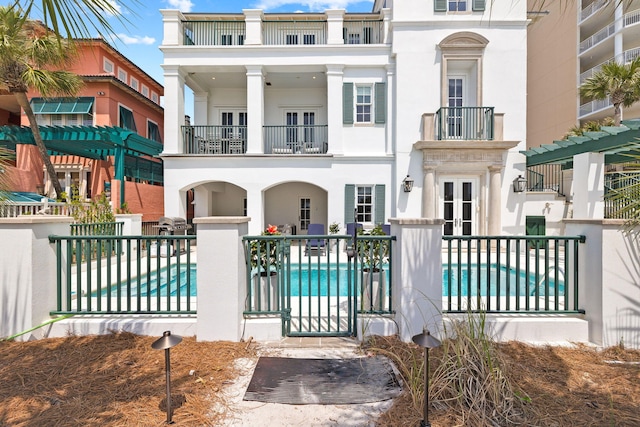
x=278 y=140
x=254 y=28
x=462 y=124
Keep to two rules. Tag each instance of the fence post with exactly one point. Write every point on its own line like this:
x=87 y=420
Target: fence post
x=221 y=273
x=28 y=272
x=417 y=275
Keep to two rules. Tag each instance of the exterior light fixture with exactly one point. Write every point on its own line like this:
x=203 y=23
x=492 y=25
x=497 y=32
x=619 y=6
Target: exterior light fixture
x=519 y=184
x=101 y=93
x=407 y=184
x=427 y=341
x=165 y=343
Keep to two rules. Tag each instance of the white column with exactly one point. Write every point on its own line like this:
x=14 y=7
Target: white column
x=390 y=145
x=335 y=19
x=173 y=109
x=417 y=275
x=253 y=23
x=255 y=211
x=429 y=203
x=255 y=109
x=588 y=194
x=201 y=109
x=495 y=219
x=222 y=281
x=172 y=27
x=334 y=108
x=386 y=17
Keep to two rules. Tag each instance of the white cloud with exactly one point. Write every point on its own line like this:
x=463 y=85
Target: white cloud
x=127 y=39
x=181 y=5
x=116 y=7
x=312 y=5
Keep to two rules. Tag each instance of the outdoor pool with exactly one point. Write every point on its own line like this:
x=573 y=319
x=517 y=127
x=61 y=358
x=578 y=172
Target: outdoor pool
x=152 y=284
x=477 y=279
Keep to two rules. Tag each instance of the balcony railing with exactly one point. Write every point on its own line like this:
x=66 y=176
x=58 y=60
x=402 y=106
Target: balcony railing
x=465 y=123
x=280 y=32
x=215 y=139
x=597 y=37
x=363 y=32
x=295 y=139
x=592 y=8
x=294 y=32
x=214 y=33
x=593 y=106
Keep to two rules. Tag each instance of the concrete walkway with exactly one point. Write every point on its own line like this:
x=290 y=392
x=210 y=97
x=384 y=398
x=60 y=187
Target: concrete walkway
x=248 y=413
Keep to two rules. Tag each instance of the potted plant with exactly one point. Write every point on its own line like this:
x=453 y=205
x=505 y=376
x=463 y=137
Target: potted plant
x=334 y=228
x=373 y=253
x=265 y=262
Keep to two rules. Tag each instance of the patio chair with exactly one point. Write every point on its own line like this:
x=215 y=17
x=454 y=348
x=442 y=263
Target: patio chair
x=315 y=244
x=352 y=229
x=386 y=228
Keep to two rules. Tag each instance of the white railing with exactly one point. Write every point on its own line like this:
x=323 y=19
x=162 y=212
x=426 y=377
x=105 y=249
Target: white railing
x=598 y=37
x=11 y=209
x=592 y=8
x=631 y=18
x=593 y=106
x=625 y=57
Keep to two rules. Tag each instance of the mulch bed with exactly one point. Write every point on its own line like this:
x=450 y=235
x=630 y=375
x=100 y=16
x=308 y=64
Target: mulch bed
x=114 y=380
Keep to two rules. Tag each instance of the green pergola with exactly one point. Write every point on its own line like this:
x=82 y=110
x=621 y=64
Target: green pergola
x=93 y=142
x=620 y=144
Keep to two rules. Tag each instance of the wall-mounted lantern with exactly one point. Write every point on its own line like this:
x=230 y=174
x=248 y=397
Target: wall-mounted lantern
x=519 y=184
x=407 y=184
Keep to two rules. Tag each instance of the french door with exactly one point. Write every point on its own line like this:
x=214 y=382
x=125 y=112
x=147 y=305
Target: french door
x=300 y=130
x=458 y=204
x=455 y=102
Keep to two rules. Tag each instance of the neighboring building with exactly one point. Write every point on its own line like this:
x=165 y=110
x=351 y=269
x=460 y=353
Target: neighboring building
x=318 y=117
x=116 y=93
x=566 y=46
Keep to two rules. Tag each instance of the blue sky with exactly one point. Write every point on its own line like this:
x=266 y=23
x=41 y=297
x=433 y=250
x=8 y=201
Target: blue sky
x=140 y=39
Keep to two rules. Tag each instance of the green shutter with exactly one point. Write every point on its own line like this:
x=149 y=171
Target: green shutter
x=379 y=208
x=439 y=5
x=381 y=102
x=347 y=103
x=349 y=203
x=478 y=5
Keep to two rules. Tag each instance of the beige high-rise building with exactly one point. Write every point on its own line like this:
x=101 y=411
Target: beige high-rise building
x=568 y=41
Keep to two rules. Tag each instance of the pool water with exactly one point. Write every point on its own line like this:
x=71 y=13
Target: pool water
x=149 y=283
x=330 y=280
x=491 y=289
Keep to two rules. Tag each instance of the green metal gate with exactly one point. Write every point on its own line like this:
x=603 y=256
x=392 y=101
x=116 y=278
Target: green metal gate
x=319 y=287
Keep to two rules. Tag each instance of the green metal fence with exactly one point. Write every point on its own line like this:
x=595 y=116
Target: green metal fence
x=283 y=270
x=124 y=278
x=504 y=274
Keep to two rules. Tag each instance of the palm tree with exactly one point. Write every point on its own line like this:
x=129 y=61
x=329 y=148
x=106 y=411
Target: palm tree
x=618 y=82
x=31 y=56
x=78 y=18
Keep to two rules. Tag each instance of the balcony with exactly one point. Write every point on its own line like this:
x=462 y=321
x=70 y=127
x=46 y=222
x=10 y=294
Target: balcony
x=464 y=123
x=216 y=140
x=300 y=139
x=279 y=140
x=276 y=31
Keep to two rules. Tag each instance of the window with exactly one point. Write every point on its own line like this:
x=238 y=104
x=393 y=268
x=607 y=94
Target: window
x=226 y=39
x=56 y=120
x=153 y=131
x=370 y=103
x=363 y=104
x=292 y=39
x=107 y=66
x=309 y=39
x=154 y=97
x=145 y=91
x=241 y=39
x=305 y=213
x=126 y=119
x=457 y=5
x=134 y=83
x=87 y=120
x=122 y=75
x=364 y=204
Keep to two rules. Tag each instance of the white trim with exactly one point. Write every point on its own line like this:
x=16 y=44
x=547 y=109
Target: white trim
x=122 y=75
x=134 y=83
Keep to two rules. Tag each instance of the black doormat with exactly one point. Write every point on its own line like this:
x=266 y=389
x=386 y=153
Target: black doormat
x=296 y=381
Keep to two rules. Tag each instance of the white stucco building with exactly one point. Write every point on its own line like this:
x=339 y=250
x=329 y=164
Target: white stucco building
x=316 y=117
